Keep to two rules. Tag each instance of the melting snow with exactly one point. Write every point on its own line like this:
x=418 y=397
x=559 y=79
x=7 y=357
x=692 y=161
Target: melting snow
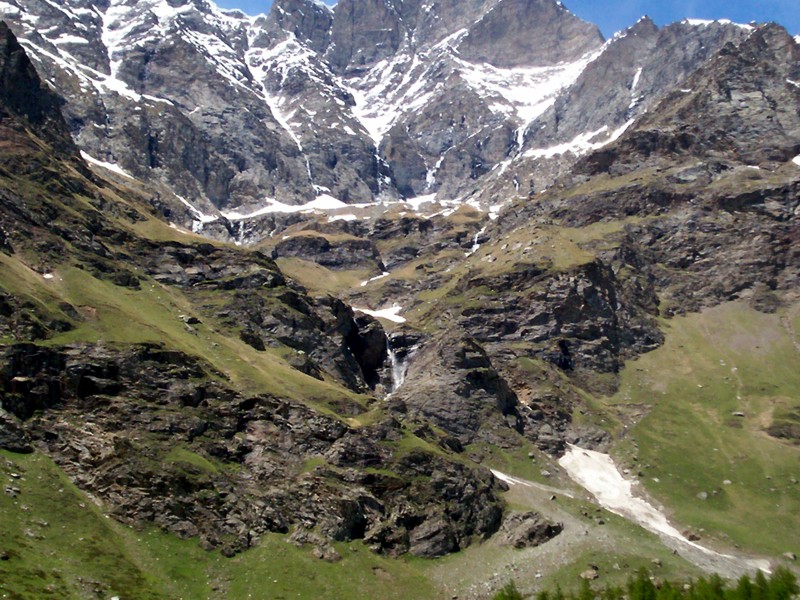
x=347 y=217
x=376 y=278
x=511 y=480
x=599 y=475
x=322 y=202
x=390 y=314
x=636 y=78
x=418 y=201
x=106 y=165
x=581 y=144
x=199 y=216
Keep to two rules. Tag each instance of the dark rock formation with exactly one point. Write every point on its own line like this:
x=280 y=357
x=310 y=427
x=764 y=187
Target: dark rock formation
x=453 y=384
x=23 y=96
x=526 y=530
x=196 y=458
x=12 y=436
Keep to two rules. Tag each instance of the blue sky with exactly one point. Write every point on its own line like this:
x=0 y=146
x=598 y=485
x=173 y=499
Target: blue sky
x=612 y=17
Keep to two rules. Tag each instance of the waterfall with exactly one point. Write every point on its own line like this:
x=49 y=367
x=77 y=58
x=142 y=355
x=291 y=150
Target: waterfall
x=398 y=366
x=475 y=242
x=398 y=363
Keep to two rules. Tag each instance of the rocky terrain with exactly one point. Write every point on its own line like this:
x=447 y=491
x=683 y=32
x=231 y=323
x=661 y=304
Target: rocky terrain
x=309 y=105
x=166 y=437
x=314 y=273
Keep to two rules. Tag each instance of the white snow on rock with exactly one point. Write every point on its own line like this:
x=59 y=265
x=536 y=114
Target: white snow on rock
x=390 y=314
x=707 y=22
x=322 y=202
x=198 y=214
x=405 y=82
x=581 y=144
x=796 y=160
x=376 y=278
x=512 y=481
x=106 y=165
x=345 y=217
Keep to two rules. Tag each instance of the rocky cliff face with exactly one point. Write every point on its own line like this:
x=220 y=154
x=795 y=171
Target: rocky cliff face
x=367 y=101
x=231 y=112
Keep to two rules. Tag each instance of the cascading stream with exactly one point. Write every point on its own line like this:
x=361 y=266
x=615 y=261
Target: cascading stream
x=398 y=365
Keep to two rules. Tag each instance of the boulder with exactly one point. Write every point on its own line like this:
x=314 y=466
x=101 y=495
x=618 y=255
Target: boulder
x=12 y=436
x=525 y=530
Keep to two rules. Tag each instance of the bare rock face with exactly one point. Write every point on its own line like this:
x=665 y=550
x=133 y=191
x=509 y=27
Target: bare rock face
x=453 y=384
x=370 y=100
x=636 y=69
x=738 y=106
x=308 y=20
x=363 y=33
x=227 y=111
x=431 y=506
x=22 y=95
x=334 y=254
x=529 y=33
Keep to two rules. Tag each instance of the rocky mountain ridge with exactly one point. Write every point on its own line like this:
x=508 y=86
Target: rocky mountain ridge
x=237 y=117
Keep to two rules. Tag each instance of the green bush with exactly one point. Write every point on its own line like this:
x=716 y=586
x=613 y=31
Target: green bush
x=509 y=592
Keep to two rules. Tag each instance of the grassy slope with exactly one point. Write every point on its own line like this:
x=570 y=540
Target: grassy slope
x=725 y=360
x=113 y=314
x=61 y=545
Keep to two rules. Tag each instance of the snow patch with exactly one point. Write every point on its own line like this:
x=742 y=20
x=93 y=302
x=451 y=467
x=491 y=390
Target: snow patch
x=106 y=165
x=347 y=217
x=598 y=474
x=636 y=79
x=796 y=160
x=322 y=202
x=376 y=278
x=201 y=217
x=9 y=10
x=390 y=314
x=708 y=22
x=512 y=481
x=581 y=144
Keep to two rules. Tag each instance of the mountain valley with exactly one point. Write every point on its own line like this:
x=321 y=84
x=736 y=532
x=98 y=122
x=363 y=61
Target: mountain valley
x=315 y=303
